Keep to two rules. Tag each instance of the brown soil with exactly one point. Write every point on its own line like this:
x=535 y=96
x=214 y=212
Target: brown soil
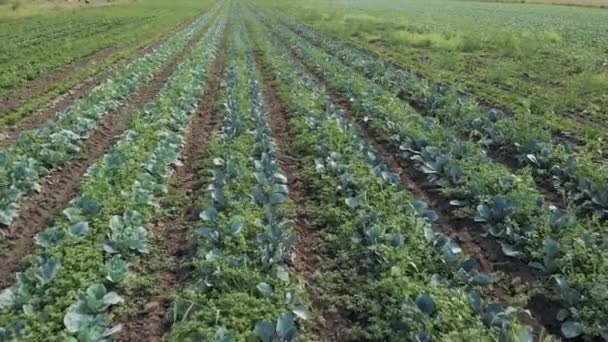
x=467 y=233
x=47 y=112
x=546 y=311
x=306 y=257
x=60 y=185
x=151 y=323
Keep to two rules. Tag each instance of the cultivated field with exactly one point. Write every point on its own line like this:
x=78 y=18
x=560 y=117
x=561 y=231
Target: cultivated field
x=303 y=171
x=47 y=51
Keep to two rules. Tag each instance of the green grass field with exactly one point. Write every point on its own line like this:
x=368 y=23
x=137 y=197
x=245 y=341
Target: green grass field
x=583 y=3
x=38 y=39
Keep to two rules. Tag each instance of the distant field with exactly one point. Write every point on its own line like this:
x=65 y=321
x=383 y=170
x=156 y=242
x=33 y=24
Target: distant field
x=21 y=8
x=585 y=3
x=37 y=39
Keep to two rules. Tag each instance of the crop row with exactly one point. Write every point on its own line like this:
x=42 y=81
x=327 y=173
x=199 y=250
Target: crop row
x=35 y=153
x=241 y=288
x=518 y=137
x=376 y=235
x=69 y=284
x=571 y=254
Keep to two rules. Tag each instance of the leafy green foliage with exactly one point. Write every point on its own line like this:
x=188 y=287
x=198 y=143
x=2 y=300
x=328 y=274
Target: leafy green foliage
x=283 y=331
x=84 y=317
x=127 y=234
x=88 y=30
x=73 y=302
x=35 y=153
x=116 y=269
x=504 y=204
x=375 y=235
x=21 y=295
x=243 y=246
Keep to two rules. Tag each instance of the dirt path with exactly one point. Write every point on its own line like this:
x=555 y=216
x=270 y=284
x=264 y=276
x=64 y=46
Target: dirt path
x=150 y=325
x=464 y=231
x=61 y=184
x=47 y=112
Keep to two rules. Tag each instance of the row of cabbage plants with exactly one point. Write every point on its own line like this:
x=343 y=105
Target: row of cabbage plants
x=386 y=264
x=574 y=176
x=70 y=282
x=241 y=287
x=35 y=153
x=571 y=255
